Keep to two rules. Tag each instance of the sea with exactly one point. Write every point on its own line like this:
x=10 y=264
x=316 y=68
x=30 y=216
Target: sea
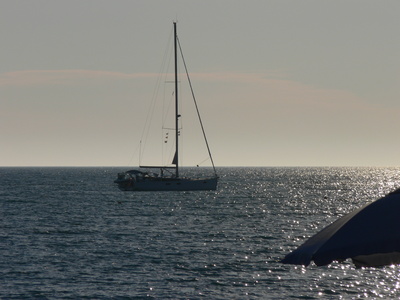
x=70 y=233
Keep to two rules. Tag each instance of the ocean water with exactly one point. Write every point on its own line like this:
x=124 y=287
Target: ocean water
x=69 y=233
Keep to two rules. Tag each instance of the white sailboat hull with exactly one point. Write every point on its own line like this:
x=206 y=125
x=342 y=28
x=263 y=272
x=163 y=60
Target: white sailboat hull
x=169 y=184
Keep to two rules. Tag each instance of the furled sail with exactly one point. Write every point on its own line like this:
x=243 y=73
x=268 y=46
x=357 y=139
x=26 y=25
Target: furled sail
x=175 y=160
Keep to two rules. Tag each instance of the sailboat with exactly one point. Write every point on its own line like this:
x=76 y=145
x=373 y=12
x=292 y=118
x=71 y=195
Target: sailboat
x=169 y=178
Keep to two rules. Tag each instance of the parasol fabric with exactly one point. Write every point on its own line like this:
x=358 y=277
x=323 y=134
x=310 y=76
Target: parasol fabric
x=370 y=236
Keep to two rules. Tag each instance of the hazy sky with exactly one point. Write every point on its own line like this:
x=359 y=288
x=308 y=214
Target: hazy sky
x=279 y=83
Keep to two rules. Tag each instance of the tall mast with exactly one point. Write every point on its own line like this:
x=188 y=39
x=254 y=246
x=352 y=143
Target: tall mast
x=176 y=158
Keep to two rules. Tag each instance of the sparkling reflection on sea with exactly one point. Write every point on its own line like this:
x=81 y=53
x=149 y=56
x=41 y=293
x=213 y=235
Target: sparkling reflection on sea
x=69 y=233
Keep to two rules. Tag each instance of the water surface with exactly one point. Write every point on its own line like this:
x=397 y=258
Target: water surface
x=69 y=233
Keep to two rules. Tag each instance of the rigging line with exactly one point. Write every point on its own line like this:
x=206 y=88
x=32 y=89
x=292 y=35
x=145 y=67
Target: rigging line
x=203 y=161
x=149 y=116
x=167 y=109
x=197 y=109
x=171 y=97
x=134 y=153
x=165 y=126
x=168 y=149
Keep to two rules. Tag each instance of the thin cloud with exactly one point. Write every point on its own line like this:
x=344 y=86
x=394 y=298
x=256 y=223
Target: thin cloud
x=62 y=77
x=238 y=76
x=51 y=77
x=271 y=85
